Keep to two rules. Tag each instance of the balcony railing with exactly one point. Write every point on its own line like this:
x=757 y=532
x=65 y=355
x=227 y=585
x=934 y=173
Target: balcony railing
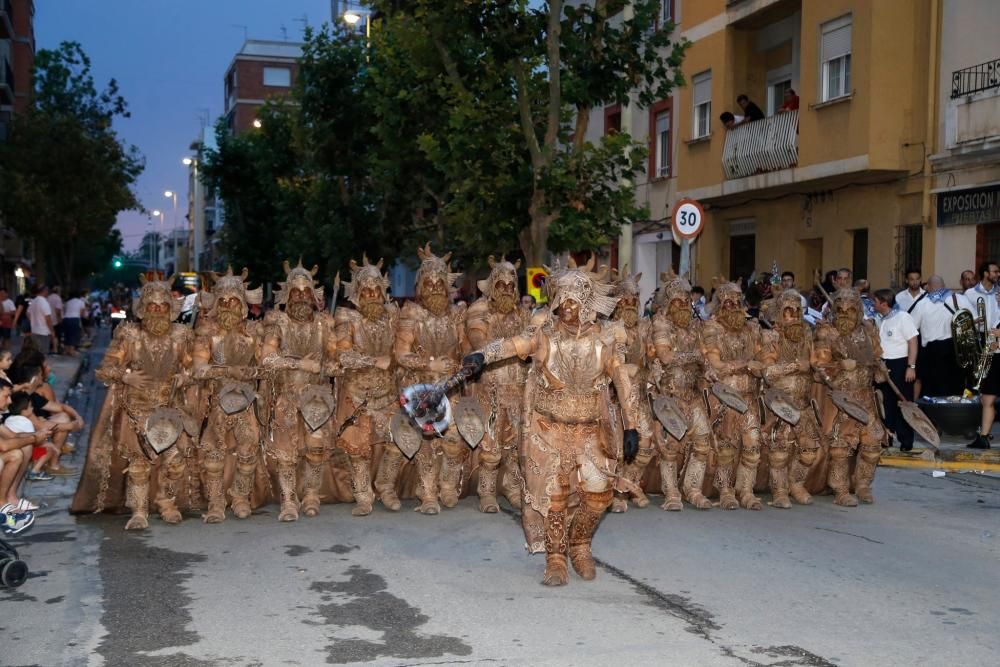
x=762 y=145
x=976 y=78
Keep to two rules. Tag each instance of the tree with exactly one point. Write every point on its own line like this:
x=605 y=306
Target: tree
x=66 y=173
x=554 y=63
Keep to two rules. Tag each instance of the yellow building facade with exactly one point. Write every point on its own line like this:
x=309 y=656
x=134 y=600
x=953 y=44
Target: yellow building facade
x=839 y=182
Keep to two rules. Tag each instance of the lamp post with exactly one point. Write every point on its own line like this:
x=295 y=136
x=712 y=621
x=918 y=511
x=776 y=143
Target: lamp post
x=352 y=16
x=157 y=213
x=171 y=194
x=197 y=231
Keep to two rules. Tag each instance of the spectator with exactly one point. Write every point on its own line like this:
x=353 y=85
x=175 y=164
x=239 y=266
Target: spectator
x=830 y=281
x=912 y=293
x=788 y=282
x=790 y=101
x=989 y=389
x=60 y=418
x=729 y=120
x=898 y=335
x=968 y=280
x=7 y=310
x=56 y=302
x=21 y=420
x=750 y=110
x=40 y=316
x=698 y=303
x=15 y=454
x=937 y=369
x=528 y=304
x=21 y=313
x=72 y=324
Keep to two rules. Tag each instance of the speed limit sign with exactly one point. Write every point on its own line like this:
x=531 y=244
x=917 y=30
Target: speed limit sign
x=688 y=218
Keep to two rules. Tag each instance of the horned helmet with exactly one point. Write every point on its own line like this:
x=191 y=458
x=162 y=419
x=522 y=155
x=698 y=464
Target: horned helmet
x=675 y=298
x=229 y=285
x=785 y=312
x=500 y=287
x=581 y=284
x=156 y=290
x=626 y=291
x=435 y=280
x=848 y=309
x=365 y=275
x=298 y=277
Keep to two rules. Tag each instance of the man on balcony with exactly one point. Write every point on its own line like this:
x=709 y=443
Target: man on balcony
x=790 y=101
x=750 y=110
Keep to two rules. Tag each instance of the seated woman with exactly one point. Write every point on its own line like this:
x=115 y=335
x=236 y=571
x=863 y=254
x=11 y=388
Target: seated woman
x=62 y=419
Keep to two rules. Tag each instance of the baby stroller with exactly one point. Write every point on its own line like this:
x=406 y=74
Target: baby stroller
x=13 y=571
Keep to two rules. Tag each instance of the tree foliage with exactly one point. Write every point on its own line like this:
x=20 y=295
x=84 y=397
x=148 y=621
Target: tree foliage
x=65 y=172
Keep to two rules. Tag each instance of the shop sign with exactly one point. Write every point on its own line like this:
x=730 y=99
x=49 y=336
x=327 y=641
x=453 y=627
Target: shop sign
x=973 y=206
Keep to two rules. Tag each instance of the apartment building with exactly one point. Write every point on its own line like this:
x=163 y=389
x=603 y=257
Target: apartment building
x=260 y=70
x=965 y=164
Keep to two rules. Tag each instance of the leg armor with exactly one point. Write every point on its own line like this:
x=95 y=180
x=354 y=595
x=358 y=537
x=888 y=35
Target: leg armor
x=213 y=464
x=670 y=456
x=556 y=572
x=137 y=494
x=455 y=451
x=489 y=462
x=168 y=478
x=246 y=465
x=361 y=486
x=385 y=480
x=428 y=464
x=778 y=465
x=316 y=458
x=581 y=531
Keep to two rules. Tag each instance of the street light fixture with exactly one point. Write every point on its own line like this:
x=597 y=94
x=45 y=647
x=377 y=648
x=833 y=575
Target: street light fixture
x=187 y=161
x=351 y=18
x=170 y=194
x=257 y=123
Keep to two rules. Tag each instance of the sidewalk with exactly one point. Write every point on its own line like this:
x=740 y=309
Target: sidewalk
x=953 y=456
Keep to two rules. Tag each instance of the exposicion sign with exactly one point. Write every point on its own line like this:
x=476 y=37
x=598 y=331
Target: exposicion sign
x=973 y=206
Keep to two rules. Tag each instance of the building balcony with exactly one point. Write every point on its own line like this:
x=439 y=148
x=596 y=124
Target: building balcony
x=761 y=146
x=970 y=80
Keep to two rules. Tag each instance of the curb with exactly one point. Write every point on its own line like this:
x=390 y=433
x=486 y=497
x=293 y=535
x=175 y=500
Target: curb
x=76 y=379
x=948 y=459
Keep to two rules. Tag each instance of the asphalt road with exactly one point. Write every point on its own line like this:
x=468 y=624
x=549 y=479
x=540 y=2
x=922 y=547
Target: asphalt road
x=908 y=581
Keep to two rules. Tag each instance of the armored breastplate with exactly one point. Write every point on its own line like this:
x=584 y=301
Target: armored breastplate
x=858 y=347
x=798 y=385
x=301 y=339
x=373 y=339
x=511 y=371
x=233 y=349
x=438 y=337
x=739 y=346
x=678 y=379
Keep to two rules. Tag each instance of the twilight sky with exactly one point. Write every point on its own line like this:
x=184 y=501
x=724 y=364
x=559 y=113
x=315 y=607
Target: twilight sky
x=169 y=57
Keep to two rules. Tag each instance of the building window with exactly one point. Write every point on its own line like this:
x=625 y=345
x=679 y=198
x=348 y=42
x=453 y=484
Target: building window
x=277 y=76
x=612 y=119
x=860 y=253
x=663 y=144
x=702 y=96
x=778 y=81
x=835 y=58
x=666 y=11
x=909 y=249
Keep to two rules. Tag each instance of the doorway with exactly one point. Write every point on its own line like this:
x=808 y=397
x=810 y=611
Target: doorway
x=742 y=254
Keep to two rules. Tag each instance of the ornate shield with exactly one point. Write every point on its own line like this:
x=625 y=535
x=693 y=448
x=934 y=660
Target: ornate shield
x=191 y=426
x=880 y=404
x=470 y=420
x=850 y=407
x=236 y=397
x=920 y=423
x=729 y=397
x=163 y=427
x=406 y=437
x=316 y=405
x=668 y=412
x=779 y=403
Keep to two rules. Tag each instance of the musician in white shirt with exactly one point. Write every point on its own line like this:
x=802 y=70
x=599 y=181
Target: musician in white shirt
x=907 y=297
x=937 y=366
x=898 y=336
x=989 y=274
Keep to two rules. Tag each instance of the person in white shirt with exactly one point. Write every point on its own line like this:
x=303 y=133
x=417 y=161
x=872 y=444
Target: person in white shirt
x=937 y=367
x=56 y=303
x=40 y=317
x=7 y=310
x=989 y=388
x=898 y=336
x=913 y=292
x=72 y=324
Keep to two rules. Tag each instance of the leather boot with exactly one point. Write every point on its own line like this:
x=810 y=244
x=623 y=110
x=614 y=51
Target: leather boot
x=213 y=465
x=487 y=489
x=385 y=480
x=451 y=478
x=745 y=476
x=427 y=491
x=361 y=486
x=668 y=480
x=239 y=492
x=778 y=475
x=724 y=483
x=864 y=475
x=797 y=482
x=512 y=483
x=839 y=479
x=556 y=572
x=289 y=498
x=694 y=477
x=310 y=490
x=137 y=499
x=581 y=532
x=166 y=496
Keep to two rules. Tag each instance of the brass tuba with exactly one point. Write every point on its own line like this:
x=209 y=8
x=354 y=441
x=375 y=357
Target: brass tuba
x=966 y=338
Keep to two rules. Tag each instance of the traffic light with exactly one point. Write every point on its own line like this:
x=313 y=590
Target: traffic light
x=117 y=262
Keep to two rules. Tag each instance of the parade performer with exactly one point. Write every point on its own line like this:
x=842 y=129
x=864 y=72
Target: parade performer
x=430 y=341
x=732 y=345
x=847 y=353
x=638 y=331
x=500 y=391
x=569 y=443
x=300 y=347
x=226 y=352
x=792 y=448
x=368 y=389
x=678 y=371
x=145 y=368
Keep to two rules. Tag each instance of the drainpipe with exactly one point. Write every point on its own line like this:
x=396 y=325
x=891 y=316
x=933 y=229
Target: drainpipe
x=930 y=135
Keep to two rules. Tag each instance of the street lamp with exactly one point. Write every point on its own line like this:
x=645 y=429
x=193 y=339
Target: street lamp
x=170 y=194
x=257 y=123
x=353 y=16
x=187 y=161
x=157 y=213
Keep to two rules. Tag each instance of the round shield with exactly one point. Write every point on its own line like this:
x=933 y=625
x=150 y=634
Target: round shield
x=668 y=412
x=407 y=438
x=729 y=397
x=163 y=427
x=920 y=423
x=470 y=421
x=850 y=407
x=779 y=403
x=236 y=397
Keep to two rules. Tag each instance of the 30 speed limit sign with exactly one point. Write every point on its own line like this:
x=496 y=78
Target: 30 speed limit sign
x=688 y=218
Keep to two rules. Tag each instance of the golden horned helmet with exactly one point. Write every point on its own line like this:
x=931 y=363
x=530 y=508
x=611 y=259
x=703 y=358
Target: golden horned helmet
x=156 y=290
x=298 y=277
x=228 y=285
x=364 y=275
x=673 y=287
x=773 y=309
x=581 y=284
x=433 y=266
x=625 y=283
x=502 y=270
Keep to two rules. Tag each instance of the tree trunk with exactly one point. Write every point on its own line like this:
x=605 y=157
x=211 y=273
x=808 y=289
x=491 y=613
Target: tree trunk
x=534 y=238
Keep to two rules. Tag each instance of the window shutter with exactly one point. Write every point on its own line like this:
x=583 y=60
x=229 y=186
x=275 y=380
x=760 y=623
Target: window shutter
x=836 y=39
x=702 y=88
